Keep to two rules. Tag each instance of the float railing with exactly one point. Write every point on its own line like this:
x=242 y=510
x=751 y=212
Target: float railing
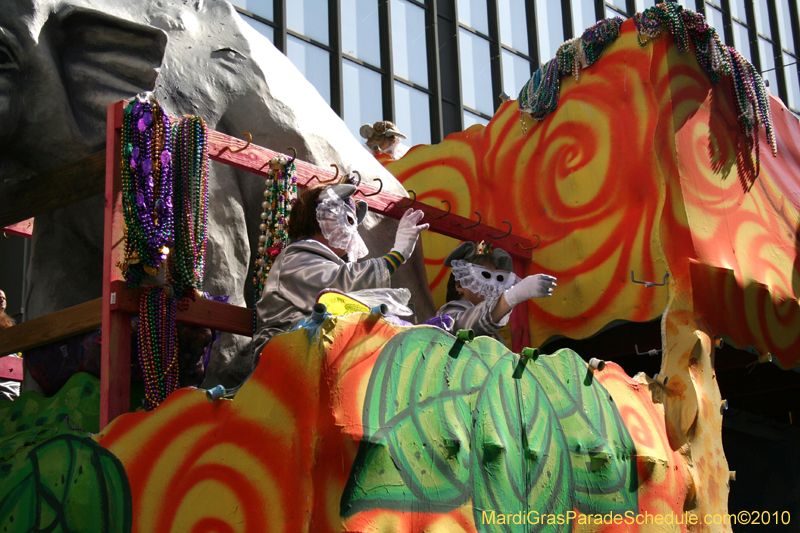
x=101 y=172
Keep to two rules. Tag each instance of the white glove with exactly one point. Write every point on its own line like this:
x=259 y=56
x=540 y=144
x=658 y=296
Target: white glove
x=536 y=286
x=408 y=232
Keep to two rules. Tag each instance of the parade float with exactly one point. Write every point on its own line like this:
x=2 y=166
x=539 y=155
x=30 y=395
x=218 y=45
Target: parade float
x=645 y=151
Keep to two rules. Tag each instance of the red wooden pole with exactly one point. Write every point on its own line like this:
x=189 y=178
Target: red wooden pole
x=520 y=328
x=115 y=373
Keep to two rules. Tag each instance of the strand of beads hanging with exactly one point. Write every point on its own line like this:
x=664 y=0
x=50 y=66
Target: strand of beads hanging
x=190 y=162
x=158 y=345
x=539 y=96
x=717 y=59
x=280 y=195
x=147 y=184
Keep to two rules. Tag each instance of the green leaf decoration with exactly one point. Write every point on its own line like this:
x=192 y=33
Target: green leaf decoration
x=601 y=450
x=446 y=422
x=418 y=418
x=520 y=463
x=69 y=484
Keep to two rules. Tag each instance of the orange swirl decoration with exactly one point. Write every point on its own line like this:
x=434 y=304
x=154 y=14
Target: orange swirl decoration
x=585 y=180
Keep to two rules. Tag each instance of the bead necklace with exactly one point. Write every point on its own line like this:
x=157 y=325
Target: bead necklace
x=717 y=59
x=279 y=195
x=539 y=96
x=190 y=161
x=146 y=190
x=158 y=346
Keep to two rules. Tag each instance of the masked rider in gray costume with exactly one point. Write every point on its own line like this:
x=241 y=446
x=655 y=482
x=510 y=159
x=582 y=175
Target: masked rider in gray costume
x=482 y=290
x=323 y=228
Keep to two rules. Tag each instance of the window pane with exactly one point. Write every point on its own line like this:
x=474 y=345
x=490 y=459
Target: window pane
x=641 y=5
x=550 y=26
x=313 y=62
x=785 y=23
x=619 y=5
x=715 y=20
x=409 y=43
x=264 y=29
x=361 y=38
x=742 y=40
x=513 y=24
x=762 y=18
x=792 y=83
x=262 y=8
x=412 y=109
x=363 y=99
x=611 y=13
x=737 y=10
x=309 y=18
x=516 y=71
x=476 y=72
x=471 y=119
x=474 y=13
x=583 y=16
x=766 y=52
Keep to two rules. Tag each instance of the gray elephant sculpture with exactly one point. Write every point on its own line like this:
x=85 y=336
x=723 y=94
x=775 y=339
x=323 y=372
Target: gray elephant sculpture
x=63 y=61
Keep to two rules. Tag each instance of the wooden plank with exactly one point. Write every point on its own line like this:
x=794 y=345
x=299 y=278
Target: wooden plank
x=520 y=327
x=201 y=312
x=49 y=191
x=254 y=159
x=115 y=353
x=51 y=328
x=11 y=368
x=20 y=229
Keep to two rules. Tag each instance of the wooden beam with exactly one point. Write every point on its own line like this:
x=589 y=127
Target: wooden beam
x=49 y=191
x=520 y=326
x=11 y=368
x=20 y=229
x=51 y=328
x=201 y=312
x=115 y=353
x=255 y=158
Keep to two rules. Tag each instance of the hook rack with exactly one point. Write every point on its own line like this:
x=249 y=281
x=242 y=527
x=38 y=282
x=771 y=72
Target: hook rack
x=376 y=193
x=475 y=224
x=413 y=201
x=243 y=148
x=359 y=178
x=538 y=242
x=648 y=352
x=650 y=283
x=449 y=207
x=505 y=234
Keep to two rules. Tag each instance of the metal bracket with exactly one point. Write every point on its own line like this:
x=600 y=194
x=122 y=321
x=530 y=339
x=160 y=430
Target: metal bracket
x=650 y=283
x=649 y=352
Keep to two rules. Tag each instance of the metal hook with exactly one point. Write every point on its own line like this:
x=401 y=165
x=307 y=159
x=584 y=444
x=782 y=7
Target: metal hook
x=510 y=227
x=538 y=242
x=648 y=352
x=243 y=148
x=319 y=180
x=293 y=157
x=449 y=207
x=359 y=178
x=337 y=172
x=413 y=201
x=376 y=193
x=650 y=283
x=475 y=224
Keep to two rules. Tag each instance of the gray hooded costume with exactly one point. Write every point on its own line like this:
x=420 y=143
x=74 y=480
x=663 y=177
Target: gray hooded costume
x=299 y=273
x=466 y=315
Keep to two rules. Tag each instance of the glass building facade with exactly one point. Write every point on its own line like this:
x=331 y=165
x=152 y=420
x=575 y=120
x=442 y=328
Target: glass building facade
x=439 y=66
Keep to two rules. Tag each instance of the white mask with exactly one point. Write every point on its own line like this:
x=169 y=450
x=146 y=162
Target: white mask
x=339 y=224
x=483 y=281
